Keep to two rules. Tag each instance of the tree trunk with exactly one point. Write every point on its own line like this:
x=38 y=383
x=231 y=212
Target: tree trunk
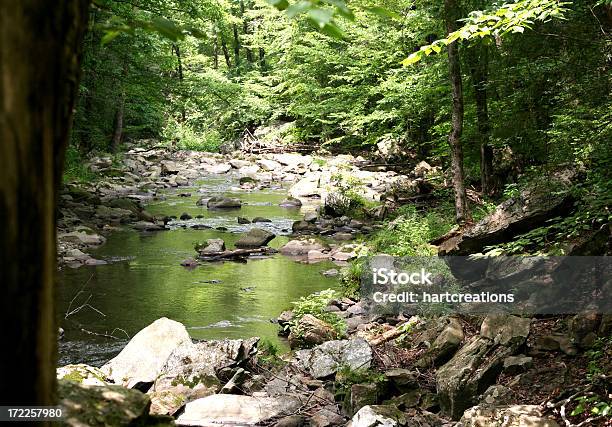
x=179 y=70
x=462 y=211
x=118 y=132
x=245 y=31
x=40 y=55
x=216 y=53
x=479 y=69
x=236 y=47
x=226 y=54
x=262 y=58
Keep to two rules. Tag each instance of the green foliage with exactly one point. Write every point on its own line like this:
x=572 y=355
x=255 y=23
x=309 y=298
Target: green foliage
x=315 y=304
x=75 y=168
x=185 y=138
x=410 y=232
x=346 y=377
x=350 y=278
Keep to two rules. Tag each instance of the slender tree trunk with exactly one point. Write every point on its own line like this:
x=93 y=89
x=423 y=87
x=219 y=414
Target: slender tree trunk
x=216 y=53
x=226 y=54
x=179 y=70
x=262 y=58
x=245 y=31
x=40 y=55
x=236 y=47
x=462 y=211
x=118 y=132
x=479 y=69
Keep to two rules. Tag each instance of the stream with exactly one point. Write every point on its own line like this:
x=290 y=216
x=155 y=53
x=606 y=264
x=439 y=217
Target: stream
x=144 y=280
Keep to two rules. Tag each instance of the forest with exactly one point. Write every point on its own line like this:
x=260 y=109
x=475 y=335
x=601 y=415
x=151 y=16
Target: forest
x=200 y=201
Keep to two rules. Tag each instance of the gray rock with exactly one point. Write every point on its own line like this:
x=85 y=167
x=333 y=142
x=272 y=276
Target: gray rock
x=238 y=163
x=303 y=226
x=378 y=416
x=220 y=168
x=82 y=374
x=291 y=202
x=362 y=395
x=230 y=409
x=212 y=245
x=325 y=360
x=306 y=187
x=402 y=379
x=444 y=346
x=185 y=216
x=83 y=238
x=242 y=220
x=312 y=331
x=254 y=238
x=302 y=247
x=516 y=364
x=268 y=165
x=218 y=202
x=142 y=359
x=508 y=416
x=261 y=219
x=148 y=226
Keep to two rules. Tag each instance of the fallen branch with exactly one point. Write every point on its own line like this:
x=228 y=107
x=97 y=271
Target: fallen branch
x=386 y=336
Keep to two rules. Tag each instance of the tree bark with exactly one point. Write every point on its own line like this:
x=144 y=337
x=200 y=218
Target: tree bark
x=262 y=58
x=118 y=132
x=216 y=52
x=40 y=55
x=462 y=212
x=479 y=70
x=236 y=47
x=245 y=31
x=179 y=69
x=226 y=54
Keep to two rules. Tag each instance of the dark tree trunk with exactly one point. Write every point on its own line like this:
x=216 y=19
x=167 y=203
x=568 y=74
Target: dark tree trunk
x=245 y=31
x=236 y=47
x=226 y=54
x=216 y=53
x=462 y=211
x=118 y=132
x=479 y=69
x=179 y=70
x=40 y=55
x=262 y=58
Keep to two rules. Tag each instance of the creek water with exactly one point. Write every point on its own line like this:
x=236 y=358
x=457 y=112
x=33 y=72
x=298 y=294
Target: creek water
x=144 y=281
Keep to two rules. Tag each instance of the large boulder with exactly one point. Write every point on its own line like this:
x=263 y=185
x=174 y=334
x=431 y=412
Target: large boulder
x=254 y=238
x=508 y=416
x=311 y=331
x=516 y=215
x=306 y=187
x=82 y=374
x=326 y=359
x=142 y=359
x=290 y=202
x=478 y=363
x=230 y=409
x=268 y=165
x=111 y=405
x=212 y=246
x=220 y=168
x=218 y=202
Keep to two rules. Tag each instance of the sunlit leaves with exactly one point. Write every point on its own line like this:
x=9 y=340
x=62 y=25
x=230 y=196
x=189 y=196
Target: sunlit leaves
x=508 y=19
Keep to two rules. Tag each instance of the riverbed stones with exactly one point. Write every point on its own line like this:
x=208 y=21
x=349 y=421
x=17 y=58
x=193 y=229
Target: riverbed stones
x=326 y=359
x=306 y=187
x=254 y=238
x=268 y=165
x=212 y=246
x=220 y=202
x=83 y=238
x=220 y=168
x=232 y=409
x=312 y=331
x=142 y=359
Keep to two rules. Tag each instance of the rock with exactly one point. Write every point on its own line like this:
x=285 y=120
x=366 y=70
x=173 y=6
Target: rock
x=247 y=181
x=254 y=238
x=312 y=331
x=268 y=165
x=290 y=202
x=148 y=226
x=169 y=168
x=261 y=219
x=362 y=395
x=302 y=247
x=444 y=346
x=422 y=169
x=212 y=245
x=343 y=256
x=378 y=416
x=516 y=215
x=497 y=395
x=190 y=372
x=583 y=328
x=185 y=216
x=220 y=168
x=284 y=320
x=82 y=374
x=325 y=360
x=516 y=364
x=478 y=363
x=556 y=342
x=232 y=409
x=83 y=238
x=242 y=220
x=402 y=379
x=218 y=202
x=292 y=160
x=189 y=262
x=306 y=187
x=109 y=405
x=142 y=359
x=508 y=416
x=237 y=163
x=332 y=272
x=303 y=226
x=235 y=384
x=505 y=330
x=291 y=421
x=314 y=256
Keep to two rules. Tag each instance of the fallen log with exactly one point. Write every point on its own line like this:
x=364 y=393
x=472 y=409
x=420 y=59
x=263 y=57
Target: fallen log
x=236 y=254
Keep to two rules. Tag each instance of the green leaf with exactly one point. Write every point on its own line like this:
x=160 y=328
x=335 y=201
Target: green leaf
x=279 y=4
x=385 y=13
x=167 y=28
x=342 y=8
x=109 y=36
x=413 y=58
x=320 y=17
x=298 y=8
